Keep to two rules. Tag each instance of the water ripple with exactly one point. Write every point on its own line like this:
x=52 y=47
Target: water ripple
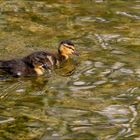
x=128 y=15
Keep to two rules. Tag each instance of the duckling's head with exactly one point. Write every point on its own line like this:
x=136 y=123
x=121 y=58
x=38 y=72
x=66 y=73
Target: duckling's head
x=67 y=48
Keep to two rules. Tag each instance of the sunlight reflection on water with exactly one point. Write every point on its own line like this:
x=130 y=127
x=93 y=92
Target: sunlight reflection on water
x=94 y=96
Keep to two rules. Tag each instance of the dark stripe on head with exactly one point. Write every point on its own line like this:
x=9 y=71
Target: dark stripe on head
x=66 y=42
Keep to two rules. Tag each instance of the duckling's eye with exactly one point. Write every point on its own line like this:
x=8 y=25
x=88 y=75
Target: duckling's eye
x=70 y=48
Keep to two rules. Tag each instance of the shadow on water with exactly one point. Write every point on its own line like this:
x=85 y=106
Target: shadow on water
x=95 y=96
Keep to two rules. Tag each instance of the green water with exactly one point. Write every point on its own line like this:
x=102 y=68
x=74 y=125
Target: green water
x=92 y=97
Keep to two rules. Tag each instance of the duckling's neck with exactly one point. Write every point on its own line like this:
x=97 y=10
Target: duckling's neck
x=57 y=58
x=61 y=57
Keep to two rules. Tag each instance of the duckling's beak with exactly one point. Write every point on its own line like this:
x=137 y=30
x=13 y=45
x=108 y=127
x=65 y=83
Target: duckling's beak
x=76 y=53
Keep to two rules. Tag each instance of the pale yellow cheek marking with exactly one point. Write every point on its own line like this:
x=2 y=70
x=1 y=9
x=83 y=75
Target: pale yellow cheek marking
x=66 y=56
x=65 y=52
x=72 y=47
x=39 y=70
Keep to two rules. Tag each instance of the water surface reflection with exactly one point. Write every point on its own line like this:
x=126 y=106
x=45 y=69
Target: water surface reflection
x=95 y=96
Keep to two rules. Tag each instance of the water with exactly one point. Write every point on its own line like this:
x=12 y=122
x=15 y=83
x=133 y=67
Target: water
x=95 y=96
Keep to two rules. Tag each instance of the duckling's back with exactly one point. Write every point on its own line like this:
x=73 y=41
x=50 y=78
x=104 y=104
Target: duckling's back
x=15 y=67
x=29 y=65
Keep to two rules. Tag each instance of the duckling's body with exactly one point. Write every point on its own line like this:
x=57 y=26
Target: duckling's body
x=37 y=62
x=32 y=64
x=16 y=67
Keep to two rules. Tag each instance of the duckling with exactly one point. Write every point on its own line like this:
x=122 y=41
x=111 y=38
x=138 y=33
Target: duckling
x=37 y=62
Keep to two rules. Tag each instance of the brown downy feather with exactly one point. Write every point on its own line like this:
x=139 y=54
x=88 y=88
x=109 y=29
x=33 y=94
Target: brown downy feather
x=37 y=62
